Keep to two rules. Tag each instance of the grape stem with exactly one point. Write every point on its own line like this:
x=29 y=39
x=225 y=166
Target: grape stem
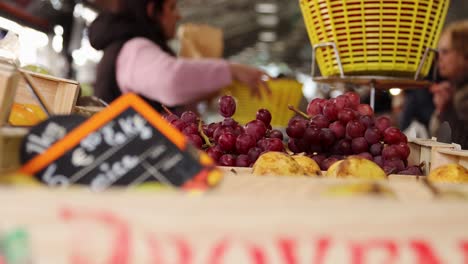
x=299 y=112
x=167 y=110
x=203 y=135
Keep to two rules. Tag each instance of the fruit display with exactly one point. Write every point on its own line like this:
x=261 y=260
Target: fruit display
x=227 y=142
x=356 y=167
x=330 y=131
x=333 y=129
x=449 y=173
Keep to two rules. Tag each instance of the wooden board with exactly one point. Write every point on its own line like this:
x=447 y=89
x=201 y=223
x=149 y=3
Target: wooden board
x=77 y=226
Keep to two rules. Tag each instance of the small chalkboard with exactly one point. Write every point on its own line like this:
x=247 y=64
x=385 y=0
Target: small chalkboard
x=126 y=144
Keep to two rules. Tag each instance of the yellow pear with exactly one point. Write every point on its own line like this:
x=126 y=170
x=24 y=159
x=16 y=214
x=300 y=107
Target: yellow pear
x=277 y=163
x=310 y=167
x=356 y=167
x=450 y=173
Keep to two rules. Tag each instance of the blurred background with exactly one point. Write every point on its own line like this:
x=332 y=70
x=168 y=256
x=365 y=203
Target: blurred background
x=266 y=33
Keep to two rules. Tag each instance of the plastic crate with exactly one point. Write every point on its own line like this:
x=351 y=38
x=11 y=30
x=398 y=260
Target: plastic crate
x=381 y=37
x=284 y=92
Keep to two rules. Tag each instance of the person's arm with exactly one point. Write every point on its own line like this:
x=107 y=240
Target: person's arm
x=142 y=67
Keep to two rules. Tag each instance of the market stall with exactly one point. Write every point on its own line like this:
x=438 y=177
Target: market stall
x=270 y=180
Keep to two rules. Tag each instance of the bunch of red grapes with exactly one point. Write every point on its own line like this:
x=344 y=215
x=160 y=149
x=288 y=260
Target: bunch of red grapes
x=227 y=142
x=342 y=126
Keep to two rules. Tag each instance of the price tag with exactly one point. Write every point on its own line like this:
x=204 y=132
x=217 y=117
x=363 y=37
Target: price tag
x=126 y=144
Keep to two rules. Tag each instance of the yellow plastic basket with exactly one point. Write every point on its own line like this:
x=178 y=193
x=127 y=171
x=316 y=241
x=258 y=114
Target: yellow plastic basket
x=383 y=37
x=284 y=92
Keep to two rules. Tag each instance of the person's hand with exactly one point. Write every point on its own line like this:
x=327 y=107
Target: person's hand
x=250 y=76
x=443 y=94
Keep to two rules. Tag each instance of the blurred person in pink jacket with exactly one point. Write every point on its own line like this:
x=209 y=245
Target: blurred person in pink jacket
x=138 y=59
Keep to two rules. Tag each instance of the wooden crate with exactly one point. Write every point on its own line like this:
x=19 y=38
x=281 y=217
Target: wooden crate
x=76 y=226
x=443 y=156
x=60 y=94
x=10 y=142
x=422 y=150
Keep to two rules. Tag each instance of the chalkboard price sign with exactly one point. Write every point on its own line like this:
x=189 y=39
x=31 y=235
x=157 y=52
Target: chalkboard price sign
x=126 y=144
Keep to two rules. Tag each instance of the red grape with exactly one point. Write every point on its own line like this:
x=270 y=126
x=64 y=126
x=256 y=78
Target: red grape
x=210 y=129
x=227 y=141
x=244 y=143
x=355 y=129
x=353 y=98
x=262 y=144
x=276 y=134
x=242 y=161
x=327 y=163
x=222 y=130
x=315 y=148
x=367 y=121
x=319 y=158
x=312 y=135
x=315 y=106
x=383 y=123
x=264 y=115
x=376 y=149
x=228 y=121
x=390 y=152
x=195 y=140
x=238 y=130
x=327 y=137
x=373 y=135
x=403 y=150
x=171 y=117
x=393 y=135
x=346 y=115
x=365 y=110
x=359 y=145
x=227 y=160
x=296 y=128
x=215 y=153
x=254 y=153
x=390 y=170
x=338 y=129
x=412 y=170
x=227 y=106
x=320 y=121
x=293 y=146
x=366 y=155
x=341 y=102
x=330 y=111
x=179 y=124
x=255 y=128
x=342 y=147
x=395 y=163
x=379 y=161
x=274 y=144
x=191 y=128
x=189 y=117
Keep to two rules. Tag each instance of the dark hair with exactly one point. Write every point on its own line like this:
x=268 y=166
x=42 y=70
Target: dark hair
x=144 y=26
x=459 y=36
